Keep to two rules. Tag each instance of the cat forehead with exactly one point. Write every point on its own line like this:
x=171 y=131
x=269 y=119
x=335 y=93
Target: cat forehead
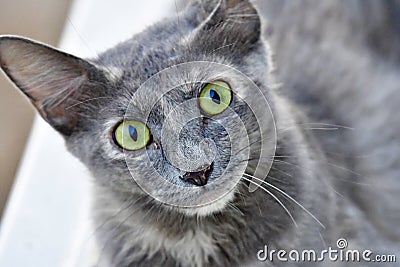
x=183 y=80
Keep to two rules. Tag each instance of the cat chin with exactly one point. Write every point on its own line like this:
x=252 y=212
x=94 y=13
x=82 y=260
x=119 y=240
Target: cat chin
x=206 y=210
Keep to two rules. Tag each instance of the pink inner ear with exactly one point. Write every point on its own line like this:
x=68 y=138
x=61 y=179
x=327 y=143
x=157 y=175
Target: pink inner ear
x=50 y=78
x=40 y=71
x=233 y=3
x=242 y=6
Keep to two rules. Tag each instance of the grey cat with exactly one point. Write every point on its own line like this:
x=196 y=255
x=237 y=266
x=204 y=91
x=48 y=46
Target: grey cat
x=182 y=122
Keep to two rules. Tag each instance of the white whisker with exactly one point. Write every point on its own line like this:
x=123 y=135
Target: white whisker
x=233 y=207
x=288 y=196
x=87 y=100
x=277 y=200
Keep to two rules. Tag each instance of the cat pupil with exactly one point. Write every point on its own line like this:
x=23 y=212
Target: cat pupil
x=133 y=132
x=215 y=97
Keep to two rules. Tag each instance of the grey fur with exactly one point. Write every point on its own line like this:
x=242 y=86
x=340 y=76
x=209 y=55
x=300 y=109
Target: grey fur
x=333 y=68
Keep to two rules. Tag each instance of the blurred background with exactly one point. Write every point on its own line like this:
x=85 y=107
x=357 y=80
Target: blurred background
x=41 y=20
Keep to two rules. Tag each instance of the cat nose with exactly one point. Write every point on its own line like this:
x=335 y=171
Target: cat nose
x=198 y=178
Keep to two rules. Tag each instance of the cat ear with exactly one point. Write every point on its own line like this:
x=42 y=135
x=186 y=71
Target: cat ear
x=234 y=24
x=53 y=80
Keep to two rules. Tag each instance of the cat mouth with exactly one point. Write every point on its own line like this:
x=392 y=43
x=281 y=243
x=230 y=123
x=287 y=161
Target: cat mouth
x=198 y=178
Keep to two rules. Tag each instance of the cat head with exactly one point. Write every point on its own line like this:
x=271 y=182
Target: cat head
x=176 y=114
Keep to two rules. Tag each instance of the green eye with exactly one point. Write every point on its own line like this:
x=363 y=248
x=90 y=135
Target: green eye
x=132 y=135
x=215 y=97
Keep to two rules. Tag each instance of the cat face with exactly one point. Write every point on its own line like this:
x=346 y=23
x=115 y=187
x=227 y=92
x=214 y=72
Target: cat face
x=177 y=114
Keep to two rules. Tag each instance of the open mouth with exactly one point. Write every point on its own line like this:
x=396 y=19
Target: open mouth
x=198 y=178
